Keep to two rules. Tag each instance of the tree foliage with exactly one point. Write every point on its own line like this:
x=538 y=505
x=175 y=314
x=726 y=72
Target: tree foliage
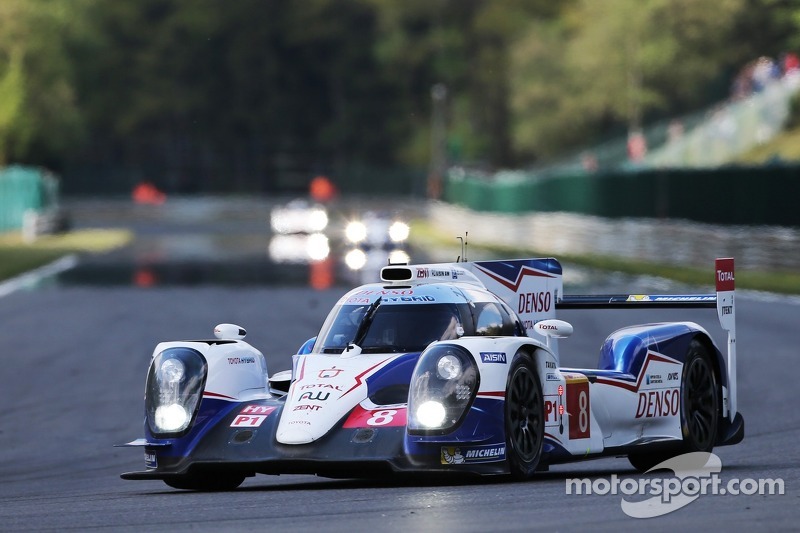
x=210 y=95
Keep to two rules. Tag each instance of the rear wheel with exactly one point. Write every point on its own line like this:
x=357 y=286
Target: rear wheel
x=207 y=482
x=699 y=409
x=524 y=413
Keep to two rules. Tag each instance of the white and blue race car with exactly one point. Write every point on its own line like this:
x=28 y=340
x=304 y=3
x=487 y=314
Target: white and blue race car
x=443 y=369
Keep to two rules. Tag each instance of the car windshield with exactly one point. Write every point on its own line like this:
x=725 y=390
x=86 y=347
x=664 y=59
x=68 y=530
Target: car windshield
x=390 y=328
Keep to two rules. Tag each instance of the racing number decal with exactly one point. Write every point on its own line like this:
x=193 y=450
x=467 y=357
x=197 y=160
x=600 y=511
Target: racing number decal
x=371 y=418
x=382 y=418
x=578 y=409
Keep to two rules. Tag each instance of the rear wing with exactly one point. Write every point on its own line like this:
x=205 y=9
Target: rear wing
x=722 y=300
x=534 y=289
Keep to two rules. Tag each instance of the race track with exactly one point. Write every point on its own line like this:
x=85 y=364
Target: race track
x=75 y=353
x=74 y=362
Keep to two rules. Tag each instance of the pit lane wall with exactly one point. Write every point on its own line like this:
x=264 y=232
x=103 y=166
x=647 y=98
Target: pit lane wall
x=766 y=195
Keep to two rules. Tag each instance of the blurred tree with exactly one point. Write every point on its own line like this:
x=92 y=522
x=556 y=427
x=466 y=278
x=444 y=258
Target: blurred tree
x=254 y=95
x=614 y=62
x=39 y=117
x=462 y=44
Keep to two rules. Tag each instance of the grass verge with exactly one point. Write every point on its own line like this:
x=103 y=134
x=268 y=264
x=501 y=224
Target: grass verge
x=17 y=256
x=784 y=282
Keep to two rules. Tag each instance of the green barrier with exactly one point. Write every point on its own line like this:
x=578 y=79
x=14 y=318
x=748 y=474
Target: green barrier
x=23 y=189
x=726 y=195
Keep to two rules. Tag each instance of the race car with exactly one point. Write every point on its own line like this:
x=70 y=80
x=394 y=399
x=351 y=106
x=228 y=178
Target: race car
x=376 y=230
x=443 y=369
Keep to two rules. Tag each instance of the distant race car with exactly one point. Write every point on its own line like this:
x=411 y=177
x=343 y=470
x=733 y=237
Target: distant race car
x=443 y=369
x=375 y=230
x=298 y=217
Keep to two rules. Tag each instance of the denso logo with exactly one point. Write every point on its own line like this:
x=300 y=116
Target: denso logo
x=658 y=403
x=535 y=302
x=493 y=357
x=384 y=292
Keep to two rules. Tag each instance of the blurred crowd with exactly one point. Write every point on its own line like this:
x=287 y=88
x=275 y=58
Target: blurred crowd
x=758 y=74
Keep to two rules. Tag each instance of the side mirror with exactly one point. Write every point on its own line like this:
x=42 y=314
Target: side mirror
x=554 y=329
x=280 y=381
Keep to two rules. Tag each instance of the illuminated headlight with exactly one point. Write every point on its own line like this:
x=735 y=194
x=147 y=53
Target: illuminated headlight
x=355 y=259
x=431 y=414
x=443 y=386
x=171 y=417
x=355 y=231
x=317 y=247
x=174 y=389
x=398 y=231
x=317 y=220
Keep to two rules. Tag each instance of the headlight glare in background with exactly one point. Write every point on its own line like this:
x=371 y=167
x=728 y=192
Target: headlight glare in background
x=355 y=231
x=398 y=231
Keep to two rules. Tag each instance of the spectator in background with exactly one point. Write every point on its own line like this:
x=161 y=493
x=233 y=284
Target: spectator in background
x=791 y=64
x=637 y=146
x=589 y=162
x=764 y=73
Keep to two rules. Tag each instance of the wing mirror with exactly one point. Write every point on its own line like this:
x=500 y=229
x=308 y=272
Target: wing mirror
x=553 y=329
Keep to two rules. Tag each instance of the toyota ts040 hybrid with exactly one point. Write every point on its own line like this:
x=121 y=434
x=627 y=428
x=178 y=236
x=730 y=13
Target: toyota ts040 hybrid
x=443 y=369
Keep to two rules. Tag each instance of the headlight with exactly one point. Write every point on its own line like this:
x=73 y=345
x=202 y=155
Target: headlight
x=355 y=259
x=448 y=367
x=174 y=388
x=355 y=232
x=443 y=386
x=398 y=231
x=317 y=220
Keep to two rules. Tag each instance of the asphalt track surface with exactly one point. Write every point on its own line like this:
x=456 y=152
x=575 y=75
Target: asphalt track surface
x=74 y=360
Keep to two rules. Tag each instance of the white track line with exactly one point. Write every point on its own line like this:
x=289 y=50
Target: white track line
x=30 y=278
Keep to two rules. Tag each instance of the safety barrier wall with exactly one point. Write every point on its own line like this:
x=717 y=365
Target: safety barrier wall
x=24 y=189
x=727 y=195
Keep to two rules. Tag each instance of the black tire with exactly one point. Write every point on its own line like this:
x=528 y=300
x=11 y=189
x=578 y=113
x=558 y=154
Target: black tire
x=524 y=418
x=700 y=412
x=209 y=482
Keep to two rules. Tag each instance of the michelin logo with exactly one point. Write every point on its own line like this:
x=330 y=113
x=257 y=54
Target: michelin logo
x=477 y=454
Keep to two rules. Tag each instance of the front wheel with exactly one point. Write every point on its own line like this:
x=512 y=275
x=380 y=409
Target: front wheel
x=524 y=418
x=699 y=409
